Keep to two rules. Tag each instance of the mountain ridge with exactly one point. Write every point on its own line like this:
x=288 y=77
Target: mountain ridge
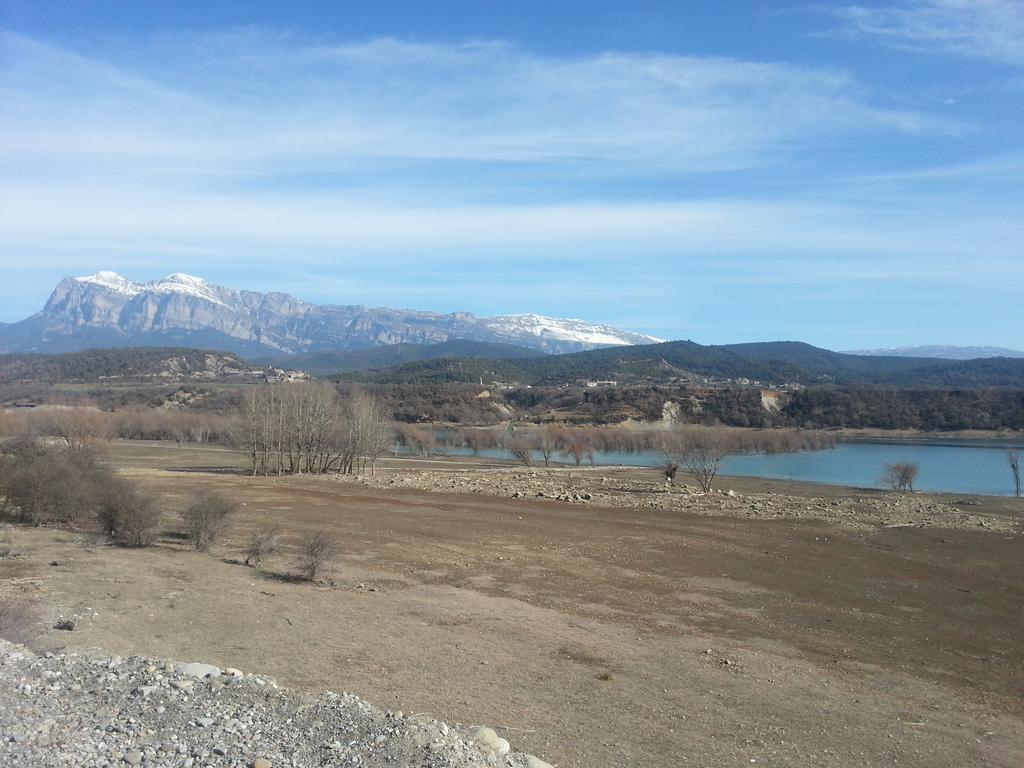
x=940 y=351
x=106 y=309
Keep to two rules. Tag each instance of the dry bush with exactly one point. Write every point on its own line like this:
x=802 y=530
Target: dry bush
x=20 y=620
x=262 y=546
x=129 y=514
x=44 y=483
x=317 y=550
x=207 y=517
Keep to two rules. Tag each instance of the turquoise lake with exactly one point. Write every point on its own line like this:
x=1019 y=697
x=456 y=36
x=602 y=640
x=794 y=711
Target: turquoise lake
x=960 y=468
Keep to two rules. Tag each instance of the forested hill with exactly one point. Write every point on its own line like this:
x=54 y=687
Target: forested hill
x=675 y=361
x=327 y=363
x=124 y=363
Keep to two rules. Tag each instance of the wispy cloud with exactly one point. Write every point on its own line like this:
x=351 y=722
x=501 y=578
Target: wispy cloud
x=984 y=29
x=257 y=100
x=401 y=173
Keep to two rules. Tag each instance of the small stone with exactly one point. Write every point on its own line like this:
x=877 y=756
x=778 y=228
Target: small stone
x=181 y=685
x=133 y=758
x=261 y=762
x=197 y=670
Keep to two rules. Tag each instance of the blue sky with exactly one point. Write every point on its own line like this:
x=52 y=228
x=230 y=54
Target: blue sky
x=851 y=175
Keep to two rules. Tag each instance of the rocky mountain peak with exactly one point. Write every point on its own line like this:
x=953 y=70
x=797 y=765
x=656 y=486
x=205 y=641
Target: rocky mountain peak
x=109 y=309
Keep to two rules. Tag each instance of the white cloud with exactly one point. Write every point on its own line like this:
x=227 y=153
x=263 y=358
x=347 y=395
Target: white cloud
x=258 y=101
x=985 y=29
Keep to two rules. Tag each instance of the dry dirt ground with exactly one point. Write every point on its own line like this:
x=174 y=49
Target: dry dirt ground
x=589 y=635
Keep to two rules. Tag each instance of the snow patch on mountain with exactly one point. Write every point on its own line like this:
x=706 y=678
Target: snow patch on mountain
x=112 y=282
x=578 y=331
x=189 y=285
x=178 y=282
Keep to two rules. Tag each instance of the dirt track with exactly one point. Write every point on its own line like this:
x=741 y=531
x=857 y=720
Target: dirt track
x=593 y=636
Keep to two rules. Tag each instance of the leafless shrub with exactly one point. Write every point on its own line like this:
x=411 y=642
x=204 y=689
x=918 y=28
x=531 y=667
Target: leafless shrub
x=20 y=620
x=317 y=550
x=129 y=514
x=207 y=517
x=699 y=450
x=262 y=546
x=900 y=476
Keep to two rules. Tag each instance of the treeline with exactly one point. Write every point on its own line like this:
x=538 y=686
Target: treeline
x=84 y=423
x=562 y=443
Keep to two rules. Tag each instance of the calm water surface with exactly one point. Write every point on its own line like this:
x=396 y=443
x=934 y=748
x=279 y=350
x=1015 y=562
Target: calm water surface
x=951 y=468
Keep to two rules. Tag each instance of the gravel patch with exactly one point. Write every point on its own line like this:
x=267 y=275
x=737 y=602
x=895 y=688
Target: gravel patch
x=92 y=710
x=609 y=488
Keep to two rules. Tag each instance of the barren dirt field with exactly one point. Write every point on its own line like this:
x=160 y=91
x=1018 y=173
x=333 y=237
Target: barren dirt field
x=589 y=635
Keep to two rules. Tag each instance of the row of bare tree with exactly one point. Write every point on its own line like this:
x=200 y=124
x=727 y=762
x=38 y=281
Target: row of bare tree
x=83 y=424
x=297 y=428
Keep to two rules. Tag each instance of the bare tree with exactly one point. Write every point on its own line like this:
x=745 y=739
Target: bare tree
x=578 y=445
x=79 y=426
x=699 y=450
x=521 y=446
x=1013 y=457
x=317 y=550
x=548 y=440
x=420 y=441
x=900 y=476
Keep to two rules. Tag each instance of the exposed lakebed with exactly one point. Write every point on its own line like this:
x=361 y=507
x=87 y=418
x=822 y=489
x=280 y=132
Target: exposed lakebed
x=963 y=467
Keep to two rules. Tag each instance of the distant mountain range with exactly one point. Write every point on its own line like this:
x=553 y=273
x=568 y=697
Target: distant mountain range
x=108 y=310
x=941 y=352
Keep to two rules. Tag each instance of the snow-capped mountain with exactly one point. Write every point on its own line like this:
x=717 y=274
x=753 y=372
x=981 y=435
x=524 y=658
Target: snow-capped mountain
x=109 y=310
x=943 y=352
